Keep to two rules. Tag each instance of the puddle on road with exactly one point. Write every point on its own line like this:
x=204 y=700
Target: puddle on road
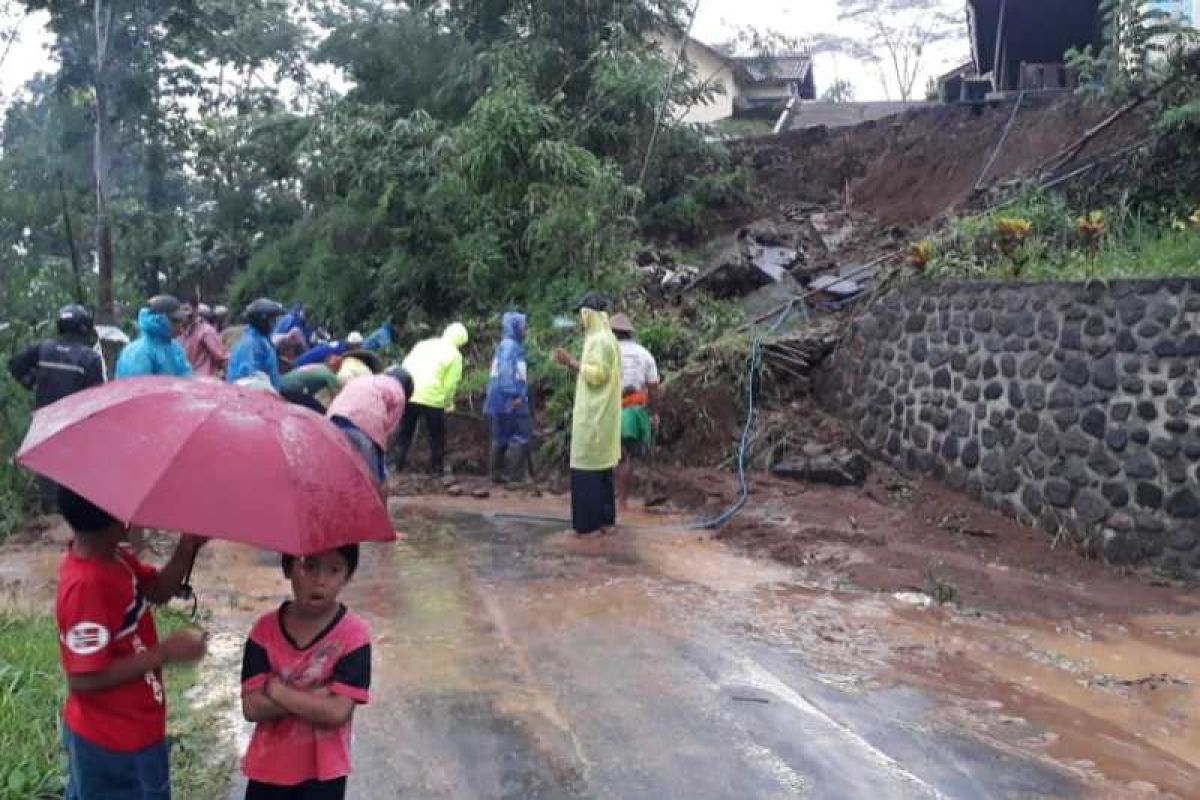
x=1114 y=701
x=28 y=575
x=457 y=607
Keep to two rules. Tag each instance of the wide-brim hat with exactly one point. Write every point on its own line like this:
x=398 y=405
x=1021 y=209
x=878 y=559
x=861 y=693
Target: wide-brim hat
x=620 y=323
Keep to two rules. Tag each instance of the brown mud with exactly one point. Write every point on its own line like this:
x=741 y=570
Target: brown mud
x=1042 y=650
x=911 y=169
x=1044 y=656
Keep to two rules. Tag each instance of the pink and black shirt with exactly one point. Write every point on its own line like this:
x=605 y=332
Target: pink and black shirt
x=290 y=751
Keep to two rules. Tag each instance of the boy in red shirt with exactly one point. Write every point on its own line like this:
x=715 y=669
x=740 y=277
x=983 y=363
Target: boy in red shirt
x=116 y=714
x=304 y=669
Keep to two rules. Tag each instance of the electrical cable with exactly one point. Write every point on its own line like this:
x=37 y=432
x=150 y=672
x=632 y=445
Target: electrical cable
x=752 y=368
x=753 y=365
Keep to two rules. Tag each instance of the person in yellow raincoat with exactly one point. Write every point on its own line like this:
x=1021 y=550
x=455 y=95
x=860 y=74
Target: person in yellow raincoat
x=596 y=420
x=436 y=367
x=358 y=364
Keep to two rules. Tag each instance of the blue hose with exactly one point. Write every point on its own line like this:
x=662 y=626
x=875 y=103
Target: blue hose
x=753 y=365
x=752 y=368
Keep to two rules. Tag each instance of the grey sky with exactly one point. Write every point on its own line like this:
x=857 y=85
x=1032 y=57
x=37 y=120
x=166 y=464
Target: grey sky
x=717 y=20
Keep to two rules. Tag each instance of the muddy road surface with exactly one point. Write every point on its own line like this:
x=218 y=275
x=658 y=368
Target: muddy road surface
x=514 y=660
x=521 y=663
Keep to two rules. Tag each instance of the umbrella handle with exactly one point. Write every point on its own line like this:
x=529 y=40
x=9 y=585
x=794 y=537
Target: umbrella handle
x=185 y=591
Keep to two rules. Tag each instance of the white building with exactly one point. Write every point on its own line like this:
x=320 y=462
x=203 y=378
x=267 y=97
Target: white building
x=1185 y=10
x=743 y=83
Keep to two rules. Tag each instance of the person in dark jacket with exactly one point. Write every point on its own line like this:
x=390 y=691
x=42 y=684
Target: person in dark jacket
x=64 y=365
x=58 y=367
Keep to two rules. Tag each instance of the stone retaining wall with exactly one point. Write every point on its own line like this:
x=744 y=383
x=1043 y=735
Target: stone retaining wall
x=1072 y=406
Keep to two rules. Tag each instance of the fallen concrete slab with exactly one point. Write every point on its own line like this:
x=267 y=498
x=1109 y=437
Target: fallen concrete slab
x=837 y=468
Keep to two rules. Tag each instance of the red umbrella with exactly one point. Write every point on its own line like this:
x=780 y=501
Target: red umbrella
x=212 y=459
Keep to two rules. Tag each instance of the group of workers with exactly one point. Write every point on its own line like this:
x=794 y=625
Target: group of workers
x=380 y=408
x=300 y=699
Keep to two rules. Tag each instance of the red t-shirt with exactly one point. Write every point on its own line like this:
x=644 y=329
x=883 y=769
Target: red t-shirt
x=289 y=751
x=103 y=616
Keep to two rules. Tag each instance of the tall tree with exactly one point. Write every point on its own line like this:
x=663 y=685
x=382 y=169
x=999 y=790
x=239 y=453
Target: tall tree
x=133 y=56
x=895 y=37
x=840 y=91
x=103 y=154
x=45 y=180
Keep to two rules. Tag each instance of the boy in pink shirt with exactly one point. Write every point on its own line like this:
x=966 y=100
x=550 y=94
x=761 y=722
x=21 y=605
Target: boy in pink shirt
x=304 y=669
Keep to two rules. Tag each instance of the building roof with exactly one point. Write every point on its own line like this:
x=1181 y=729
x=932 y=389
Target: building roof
x=961 y=71
x=773 y=69
x=1033 y=31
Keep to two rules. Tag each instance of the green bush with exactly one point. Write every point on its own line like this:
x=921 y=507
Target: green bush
x=16 y=492
x=1057 y=247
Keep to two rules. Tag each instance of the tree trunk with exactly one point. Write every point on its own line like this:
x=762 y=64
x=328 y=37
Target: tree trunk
x=102 y=164
x=156 y=206
x=69 y=232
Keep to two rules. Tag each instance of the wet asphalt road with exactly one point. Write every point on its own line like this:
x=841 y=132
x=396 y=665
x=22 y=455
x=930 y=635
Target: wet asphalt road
x=514 y=662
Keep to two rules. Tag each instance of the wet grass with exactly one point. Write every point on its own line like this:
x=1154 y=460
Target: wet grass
x=31 y=691
x=1040 y=238
x=1143 y=254
x=201 y=761
x=32 y=764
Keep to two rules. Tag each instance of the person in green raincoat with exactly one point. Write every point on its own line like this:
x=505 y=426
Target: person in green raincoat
x=436 y=367
x=596 y=420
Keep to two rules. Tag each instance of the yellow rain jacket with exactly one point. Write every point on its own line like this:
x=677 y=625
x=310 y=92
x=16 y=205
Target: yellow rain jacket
x=352 y=369
x=596 y=422
x=436 y=366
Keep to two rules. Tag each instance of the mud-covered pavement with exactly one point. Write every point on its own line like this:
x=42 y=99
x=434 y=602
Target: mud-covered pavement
x=516 y=661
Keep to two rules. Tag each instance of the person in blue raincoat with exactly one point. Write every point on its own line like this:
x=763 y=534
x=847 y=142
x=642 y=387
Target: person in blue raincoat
x=254 y=352
x=296 y=318
x=507 y=404
x=155 y=351
x=322 y=353
x=381 y=338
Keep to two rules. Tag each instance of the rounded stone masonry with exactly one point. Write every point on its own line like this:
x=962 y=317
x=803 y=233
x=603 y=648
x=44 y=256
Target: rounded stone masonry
x=1071 y=404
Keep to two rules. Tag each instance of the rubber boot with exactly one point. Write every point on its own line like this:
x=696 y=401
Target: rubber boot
x=497 y=468
x=399 y=454
x=516 y=462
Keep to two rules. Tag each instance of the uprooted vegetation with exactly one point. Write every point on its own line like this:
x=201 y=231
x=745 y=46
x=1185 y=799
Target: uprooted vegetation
x=1067 y=187
x=1042 y=238
x=392 y=202
x=883 y=202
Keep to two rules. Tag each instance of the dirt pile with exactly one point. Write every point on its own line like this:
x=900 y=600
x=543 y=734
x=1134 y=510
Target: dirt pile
x=910 y=169
x=833 y=202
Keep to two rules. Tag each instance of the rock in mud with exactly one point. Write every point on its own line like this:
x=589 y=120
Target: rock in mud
x=839 y=468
